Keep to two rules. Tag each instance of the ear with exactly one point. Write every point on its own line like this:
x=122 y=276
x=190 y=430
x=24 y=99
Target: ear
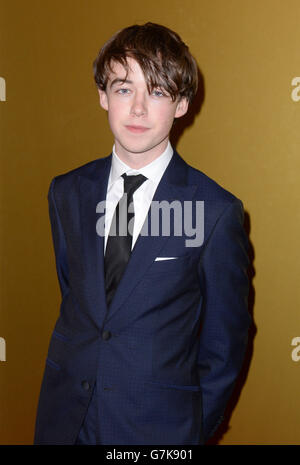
x=103 y=99
x=182 y=107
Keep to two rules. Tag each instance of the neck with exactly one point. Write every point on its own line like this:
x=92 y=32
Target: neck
x=137 y=160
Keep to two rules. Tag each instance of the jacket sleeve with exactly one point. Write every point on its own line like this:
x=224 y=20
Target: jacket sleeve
x=59 y=241
x=225 y=320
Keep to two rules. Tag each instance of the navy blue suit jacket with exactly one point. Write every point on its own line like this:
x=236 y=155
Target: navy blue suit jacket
x=178 y=328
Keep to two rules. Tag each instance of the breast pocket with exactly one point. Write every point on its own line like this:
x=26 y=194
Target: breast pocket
x=170 y=265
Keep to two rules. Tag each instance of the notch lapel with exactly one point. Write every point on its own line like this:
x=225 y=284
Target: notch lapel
x=173 y=186
x=93 y=188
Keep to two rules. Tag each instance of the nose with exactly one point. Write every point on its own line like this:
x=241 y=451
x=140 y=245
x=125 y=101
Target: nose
x=139 y=106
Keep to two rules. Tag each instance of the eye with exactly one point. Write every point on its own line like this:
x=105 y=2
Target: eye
x=158 y=93
x=123 y=91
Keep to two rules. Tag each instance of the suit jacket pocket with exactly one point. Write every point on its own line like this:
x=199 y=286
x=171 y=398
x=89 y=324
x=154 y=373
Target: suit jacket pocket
x=60 y=350
x=182 y=387
x=52 y=363
x=60 y=336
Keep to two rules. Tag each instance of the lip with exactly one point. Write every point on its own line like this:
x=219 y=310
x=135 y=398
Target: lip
x=137 y=129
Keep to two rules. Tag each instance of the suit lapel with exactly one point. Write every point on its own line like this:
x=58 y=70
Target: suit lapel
x=173 y=186
x=93 y=187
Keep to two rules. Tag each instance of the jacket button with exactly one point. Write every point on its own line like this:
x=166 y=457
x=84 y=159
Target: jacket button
x=85 y=385
x=106 y=335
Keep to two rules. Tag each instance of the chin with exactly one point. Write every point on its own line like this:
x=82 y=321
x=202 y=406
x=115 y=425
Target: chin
x=136 y=148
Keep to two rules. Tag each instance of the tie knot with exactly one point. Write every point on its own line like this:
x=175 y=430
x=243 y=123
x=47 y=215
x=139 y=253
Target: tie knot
x=132 y=183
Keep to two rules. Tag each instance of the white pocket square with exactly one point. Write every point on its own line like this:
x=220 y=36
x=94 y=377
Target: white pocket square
x=164 y=258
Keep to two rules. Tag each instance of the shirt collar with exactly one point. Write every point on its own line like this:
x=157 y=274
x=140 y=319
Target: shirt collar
x=153 y=170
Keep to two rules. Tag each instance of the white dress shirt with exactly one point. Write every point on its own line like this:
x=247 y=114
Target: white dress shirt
x=142 y=197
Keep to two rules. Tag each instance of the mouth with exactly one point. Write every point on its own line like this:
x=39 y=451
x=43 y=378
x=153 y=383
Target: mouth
x=137 y=129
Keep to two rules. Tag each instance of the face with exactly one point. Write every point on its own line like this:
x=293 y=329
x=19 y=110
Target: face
x=140 y=122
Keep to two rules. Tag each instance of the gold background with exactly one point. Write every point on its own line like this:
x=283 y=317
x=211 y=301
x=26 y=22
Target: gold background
x=246 y=137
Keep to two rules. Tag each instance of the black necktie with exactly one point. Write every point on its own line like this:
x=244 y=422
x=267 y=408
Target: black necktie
x=119 y=242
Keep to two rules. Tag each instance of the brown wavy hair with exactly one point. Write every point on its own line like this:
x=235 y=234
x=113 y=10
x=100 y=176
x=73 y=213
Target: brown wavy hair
x=163 y=57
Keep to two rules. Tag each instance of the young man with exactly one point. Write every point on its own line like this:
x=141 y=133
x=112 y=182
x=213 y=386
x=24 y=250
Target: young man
x=153 y=324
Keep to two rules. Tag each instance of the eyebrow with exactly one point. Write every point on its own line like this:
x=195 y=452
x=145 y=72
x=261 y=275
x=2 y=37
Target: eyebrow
x=118 y=80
